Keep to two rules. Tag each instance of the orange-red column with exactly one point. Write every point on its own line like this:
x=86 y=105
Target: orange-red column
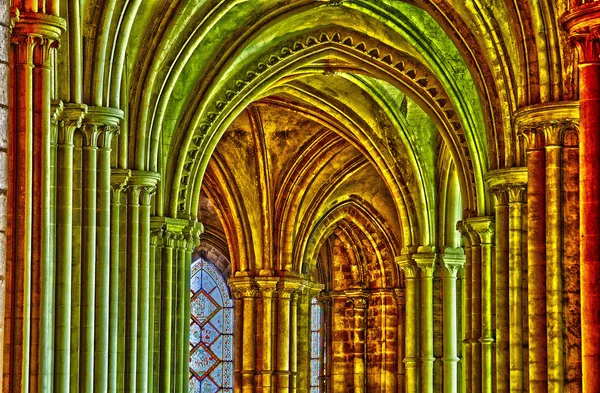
x=536 y=257
x=583 y=23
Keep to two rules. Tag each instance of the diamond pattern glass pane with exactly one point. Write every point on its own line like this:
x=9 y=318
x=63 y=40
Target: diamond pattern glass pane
x=317 y=353
x=211 y=329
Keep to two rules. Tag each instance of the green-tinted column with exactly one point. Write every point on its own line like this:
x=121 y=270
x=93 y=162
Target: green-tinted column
x=118 y=182
x=411 y=329
x=88 y=255
x=154 y=317
x=131 y=295
x=452 y=263
x=69 y=121
x=427 y=265
x=166 y=337
x=467 y=306
x=191 y=240
x=43 y=241
x=143 y=336
x=101 y=331
x=183 y=297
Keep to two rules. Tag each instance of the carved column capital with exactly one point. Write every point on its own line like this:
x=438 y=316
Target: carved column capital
x=583 y=26
x=69 y=120
x=548 y=124
x=267 y=286
x=244 y=287
x=426 y=262
x=24 y=44
x=408 y=266
x=42 y=50
x=481 y=229
x=453 y=260
x=118 y=182
x=501 y=183
x=286 y=287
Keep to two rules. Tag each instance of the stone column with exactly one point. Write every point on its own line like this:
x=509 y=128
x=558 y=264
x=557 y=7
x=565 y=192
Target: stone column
x=143 y=332
x=191 y=239
x=326 y=302
x=484 y=228
x=69 y=120
x=553 y=135
x=427 y=265
x=357 y=302
x=508 y=187
x=571 y=260
x=451 y=264
x=165 y=378
x=411 y=324
x=400 y=329
x=29 y=307
x=267 y=287
x=545 y=125
x=304 y=337
x=246 y=290
x=285 y=288
x=118 y=181
x=581 y=22
x=89 y=165
x=468 y=340
x=516 y=196
x=107 y=120
x=536 y=259
x=294 y=342
x=341 y=357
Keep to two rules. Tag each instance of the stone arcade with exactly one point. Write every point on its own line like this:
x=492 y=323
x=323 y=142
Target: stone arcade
x=300 y=196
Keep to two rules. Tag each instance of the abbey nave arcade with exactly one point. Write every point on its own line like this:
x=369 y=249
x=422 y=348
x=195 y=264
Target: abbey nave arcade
x=300 y=196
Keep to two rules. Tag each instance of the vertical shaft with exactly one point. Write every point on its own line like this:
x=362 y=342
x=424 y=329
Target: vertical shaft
x=103 y=263
x=64 y=232
x=411 y=359
x=118 y=182
x=267 y=287
x=501 y=295
x=427 y=265
x=283 y=340
x=515 y=278
x=88 y=255
x=536 y=257
x=143 y=337
x=132 y=279
x=166 y=340
x=451 y=266
x=554 y=252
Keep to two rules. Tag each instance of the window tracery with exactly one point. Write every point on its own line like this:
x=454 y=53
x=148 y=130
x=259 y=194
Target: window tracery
x=211 y=331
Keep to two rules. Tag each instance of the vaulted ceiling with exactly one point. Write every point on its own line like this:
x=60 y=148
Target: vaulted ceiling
x=409 y=94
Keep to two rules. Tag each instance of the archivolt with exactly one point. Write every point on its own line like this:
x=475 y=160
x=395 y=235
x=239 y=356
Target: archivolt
x=383 y=62
x=358 y=215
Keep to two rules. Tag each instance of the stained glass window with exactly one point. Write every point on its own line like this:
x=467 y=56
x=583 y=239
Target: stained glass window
x=317 y=354
x=211 y=331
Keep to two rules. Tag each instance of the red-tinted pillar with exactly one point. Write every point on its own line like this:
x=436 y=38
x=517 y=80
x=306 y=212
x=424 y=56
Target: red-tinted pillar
x=583 y=25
